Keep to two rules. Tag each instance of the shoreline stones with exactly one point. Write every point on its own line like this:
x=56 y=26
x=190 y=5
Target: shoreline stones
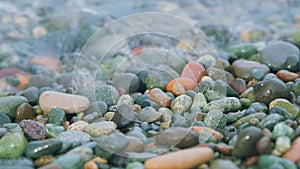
x=67 y=102
x=12 y=145
x=9 y=105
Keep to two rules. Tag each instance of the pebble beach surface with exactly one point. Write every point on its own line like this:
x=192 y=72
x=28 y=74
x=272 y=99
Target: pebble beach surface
x=152 y=102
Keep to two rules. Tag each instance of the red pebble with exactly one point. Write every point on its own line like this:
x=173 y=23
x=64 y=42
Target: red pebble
x=194 y=71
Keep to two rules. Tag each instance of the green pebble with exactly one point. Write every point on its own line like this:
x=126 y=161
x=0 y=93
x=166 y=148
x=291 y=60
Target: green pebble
x=135 y=165
x=85 y=153
x=271 y=120
x=283 y=144
x=245 y=102
x=199 y=101
x=269 y=161
x=53 y=130
x=242 y=120
x=215 y=119
x=181 y=104
x=282 y=129
x=9 y=105
x=12 y=145
x=69 y=161
x=288 y=106
x=214 y=95
x=225 y=105
x=243 y=50
x=57 y=116
x=35 y=149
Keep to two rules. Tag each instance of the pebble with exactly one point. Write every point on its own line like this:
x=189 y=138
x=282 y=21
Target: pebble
x=135 y=165
x=281 y=55
x=85 y=153
x=264 y=145
x=199 y=101
x=215 y=119
x=222 y=164
x=177 y=89
x=106 y=93
x=79 y=125
x=296 y=88
x=91 y=117
x=287 y=76
x=282 y=129
x=149 y=114
x=135 y=145
x=48 y=61
x=114 y=142
x=12 y=145
x=68 y=102
x=225 y=105
x=238 y=85
x=220 y=74
x=43 y=160
x=293 y=154
x=4 y=119
x=271 y=162
x=10 y=104
x=56 y=116
x=244 y=68
x=36 y=149
x=194 y=71
x=209 y=131
x=127 y=81
x=267 y=91
x=177 y=136
x=31 y=94
x=246 y=142
x=34 y=130
x=53 y=130
x=291 y=109
x=73 y=137
x=125 y=98
x=187 y=84
x=25 y=111
x=244 y=51
x=246 y=119
x=99 y=106
x=282 y=144
x=124 y=116
x=23 y=163
x=271 y=120
x=51 y=166
x=177 y=160
x=100 y=128
x=90 y=165
x=181 y=104
x=160 y=98
x=67 y=161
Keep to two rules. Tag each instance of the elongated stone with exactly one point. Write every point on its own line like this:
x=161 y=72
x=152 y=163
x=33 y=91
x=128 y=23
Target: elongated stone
x=35 y=149
x=178 y=159
x=68 y=102
x=225 y=105
x=194 y=71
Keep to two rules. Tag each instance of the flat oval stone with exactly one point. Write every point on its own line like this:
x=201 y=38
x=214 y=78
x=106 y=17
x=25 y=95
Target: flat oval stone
x=264 y=145
x=177 y=160
x=177 y=136
x=12 y=145
x=243 y=68
x=287 y=76
x=194 y=71
x=68 y=102
x=181 y=104
x=25 y=111
x=286 y=105
x=281 y=55
x=225 y=105
x=34 y=130
x=149 y=114
x=9 y=105
x=79 y=125
x=159 y=78
x=160 y=97
x=35 y=149
x=100 y=128
x=266 y=91
x=246 y=143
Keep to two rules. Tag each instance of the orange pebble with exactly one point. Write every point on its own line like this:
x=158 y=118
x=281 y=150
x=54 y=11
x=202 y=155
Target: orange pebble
x=90 y=165
x=199 y=129
x=187 y=83
x=194 y=71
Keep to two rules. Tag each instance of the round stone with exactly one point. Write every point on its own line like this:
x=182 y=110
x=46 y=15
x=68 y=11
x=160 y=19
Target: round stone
x=9 y=105
x=124 y=116
x=281 y=55
x=56 y=116
x=79 y=125
x=149 y=114
x=25 y=111
x=287 y=76
x=127 y=81
x=181 y=104
x=12 y=145
x=194 y=71
x=100 y=128
x=160 y=97
x=215 y=119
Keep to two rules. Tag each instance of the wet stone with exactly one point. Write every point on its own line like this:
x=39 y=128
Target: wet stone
x=31 y=94
x=149 y=114
x=34 y=130
x=271 y=120
x=56 y=116
x=23 y=163
x=239 y=85
x=296 y=88
x=194 y=71
x=84 y=152
x=267 y=91
x=287 y=76
x=43 y=160
x=244 y=51
x=79 y=125
x=215 y=119
x=105 y=93
x=53 y=130
x=25 y=111
x=100 y=128
x=225 y=105
x=125 y=98
x=98 y=106
x=73 y=137
x=35 y=149
x=282 y=144
x=181 y=104
x=199 y=101
x=271 y=161
x=69 y=161
x=246 y=143
x=291 y=109
x=281 y=55
x=264 y=145
x=12 y=145
x=114 y=142
x=222 y=164
x=160 y=98
x=282 y=129
x=91 y=117
x=243 y=68
x=124 y=115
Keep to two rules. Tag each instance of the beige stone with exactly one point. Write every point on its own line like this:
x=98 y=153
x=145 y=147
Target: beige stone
x=187 y=158
x=68 y=102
